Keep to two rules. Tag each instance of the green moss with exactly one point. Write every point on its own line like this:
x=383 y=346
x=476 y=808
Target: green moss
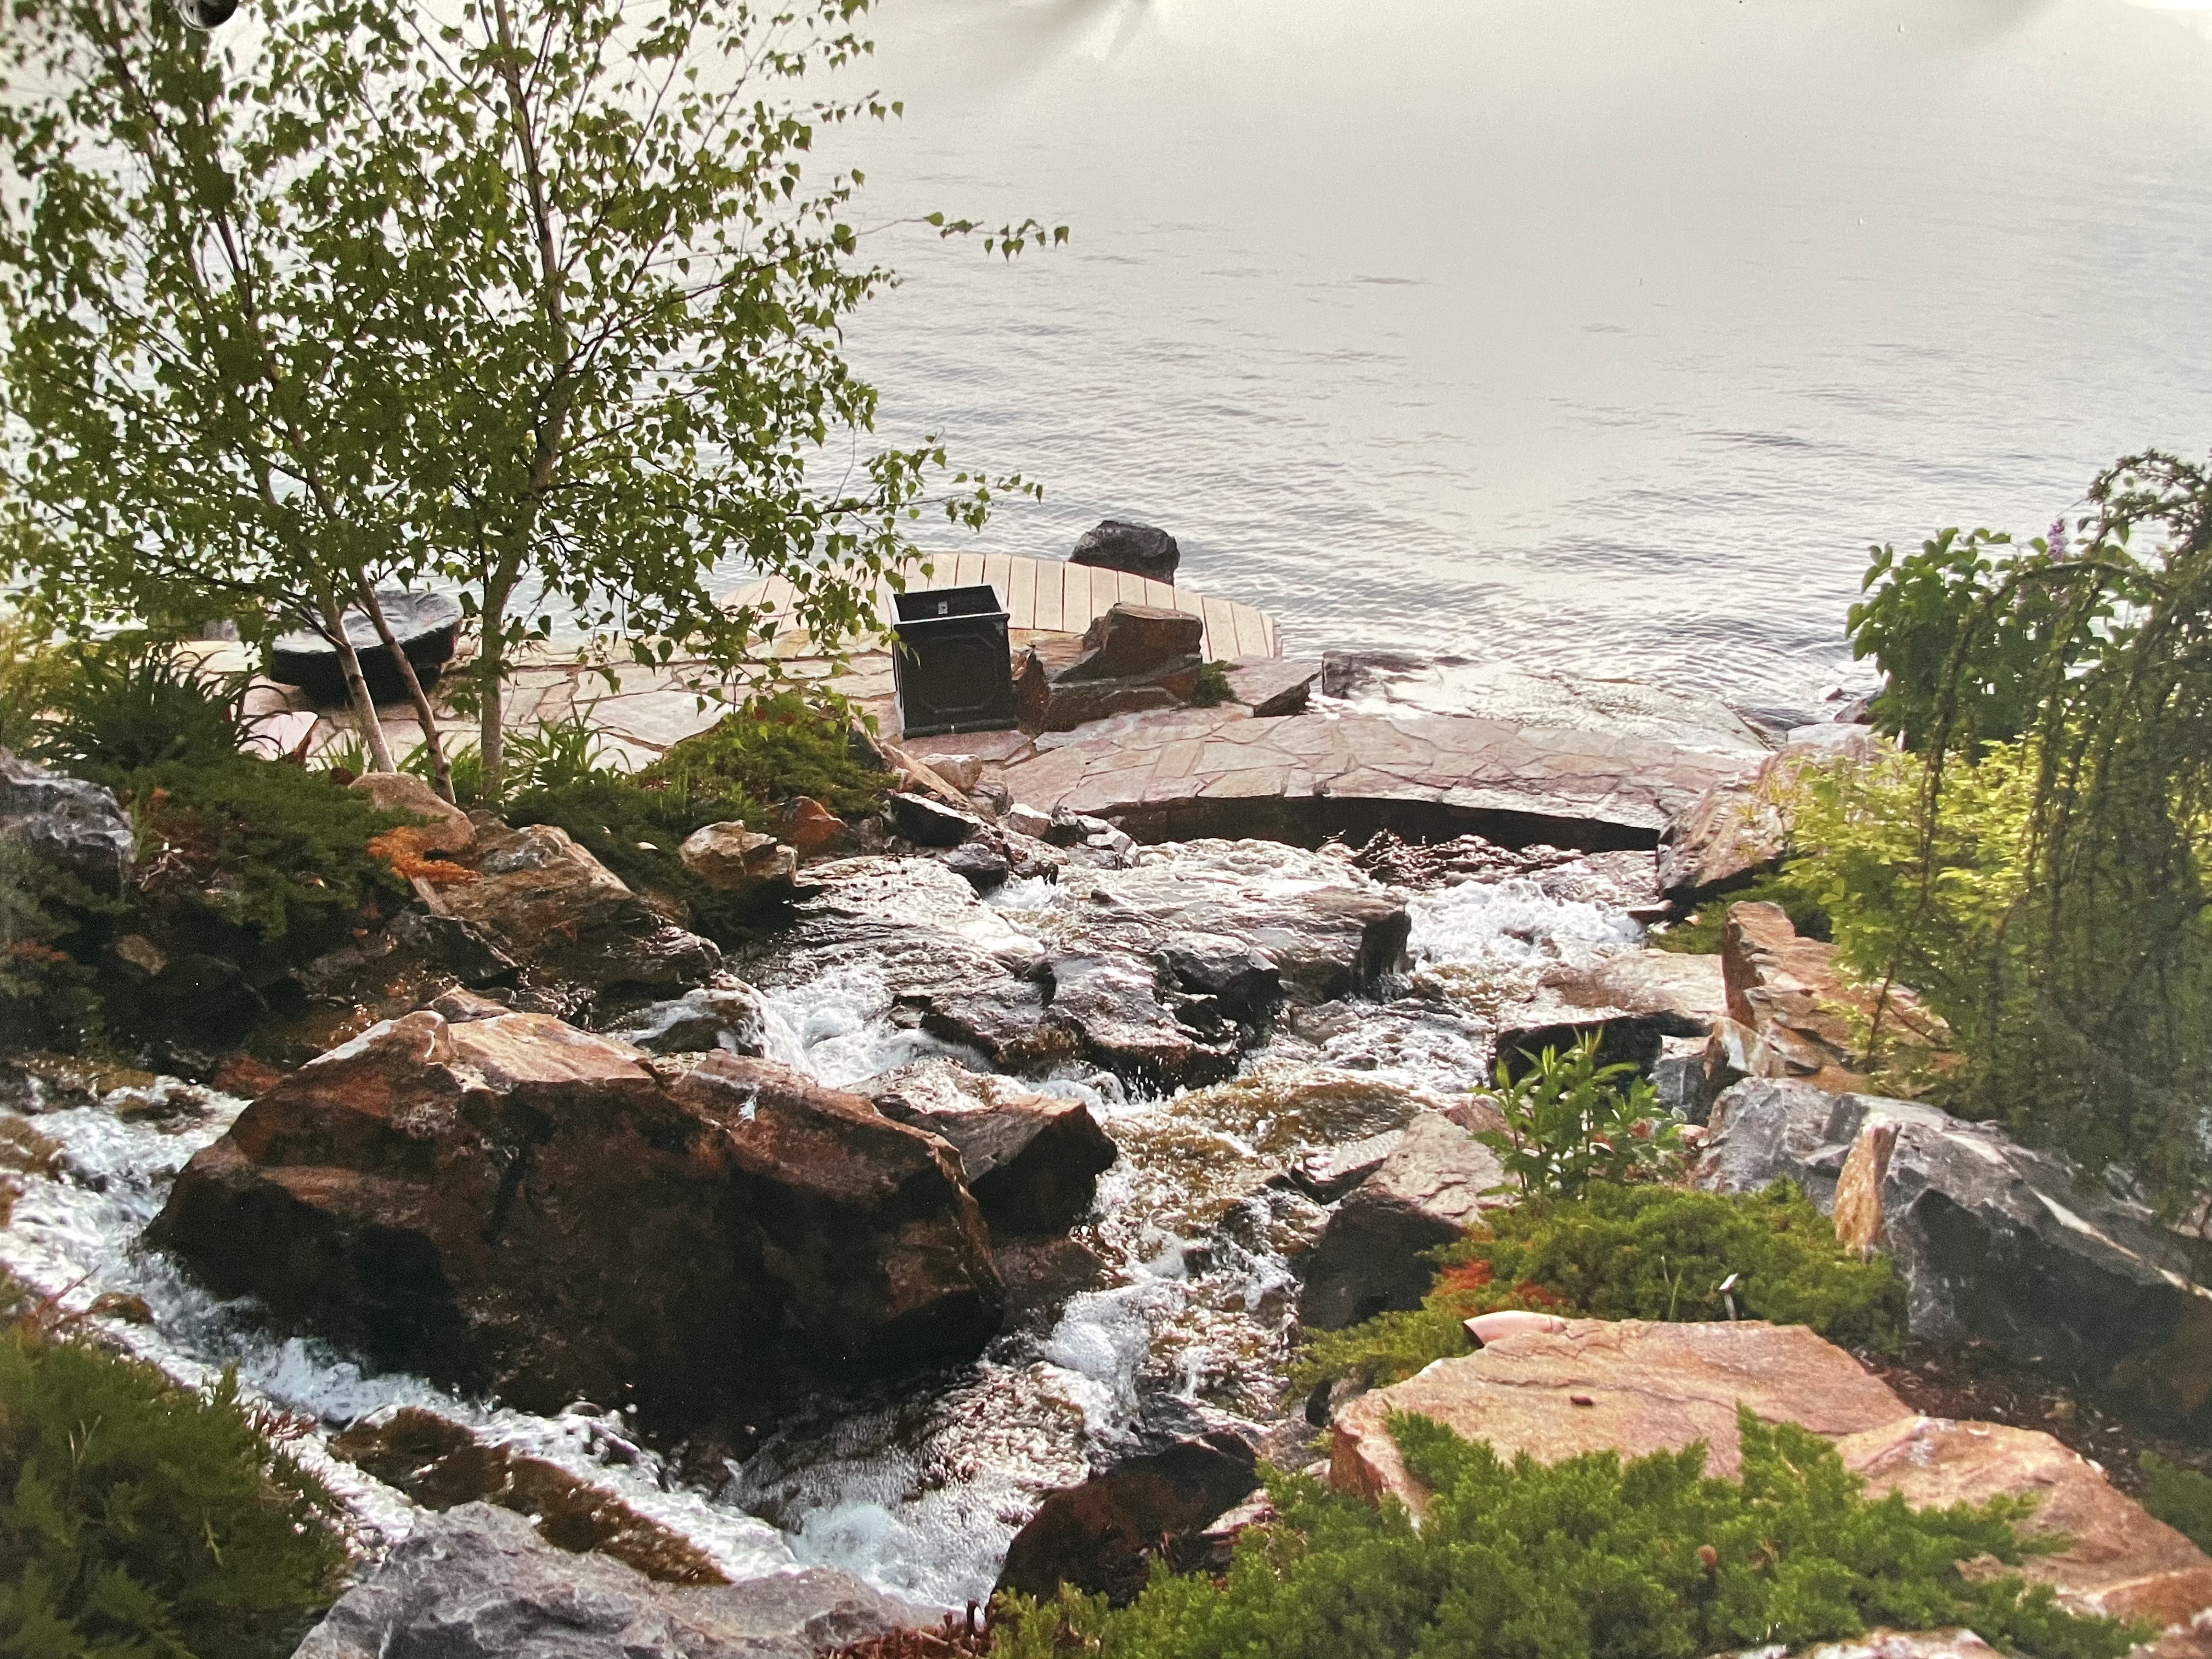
x=1631 y=1252
x=138 y=1518
x=1699 y=934
x=2180 y=1497
x=1213 y=686
x=1591 y=1557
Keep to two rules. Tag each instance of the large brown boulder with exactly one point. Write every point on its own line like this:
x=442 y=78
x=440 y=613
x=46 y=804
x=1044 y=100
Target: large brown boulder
x=1033 y=1161
x=1636 y=1387
x=515 y=1206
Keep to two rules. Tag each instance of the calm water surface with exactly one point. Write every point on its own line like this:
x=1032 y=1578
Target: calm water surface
x=1603 y=334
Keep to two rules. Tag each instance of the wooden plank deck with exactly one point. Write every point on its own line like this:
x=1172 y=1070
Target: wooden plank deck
x=1050 y=595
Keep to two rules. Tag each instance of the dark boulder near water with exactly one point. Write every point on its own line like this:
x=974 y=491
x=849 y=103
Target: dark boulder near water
x=1140 y=548
x=516 y=1207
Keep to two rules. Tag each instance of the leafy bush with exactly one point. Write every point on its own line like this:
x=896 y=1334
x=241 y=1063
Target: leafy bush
x=1567 y=1124
x=1700 y=934
x=135 y=705
x=47 y=998
x=35 y=674
x=2180 y=1497
x=138 y=1517
x=1631 y=1252
x=1591 y=1555
x=552 y=756
x=2083 y=670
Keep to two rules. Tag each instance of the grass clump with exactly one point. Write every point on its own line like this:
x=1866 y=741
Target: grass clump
x=767 y=753
x=1699 y=934
x=1650 y=1558
x=1631 y=1252
x=2180 y=1497
x=138 y=1519
x=1213 y=687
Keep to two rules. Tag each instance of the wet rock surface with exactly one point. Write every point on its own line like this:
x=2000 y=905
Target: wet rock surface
x=515 y=1206
x=1995 y=1241
x=728 y=1015
x=441 y=1465
x=1433 y=1184
x=550 y=905
x=72 y=826
x=478 y=1583
x=1738 y=827
x=1032 y=1160
x=1103 y=1536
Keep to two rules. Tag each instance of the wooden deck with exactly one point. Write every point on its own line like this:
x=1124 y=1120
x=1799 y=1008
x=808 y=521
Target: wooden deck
x=1051 y=596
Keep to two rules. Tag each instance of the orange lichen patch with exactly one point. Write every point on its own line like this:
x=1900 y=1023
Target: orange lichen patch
x=1467 y=1276
x=403 y=850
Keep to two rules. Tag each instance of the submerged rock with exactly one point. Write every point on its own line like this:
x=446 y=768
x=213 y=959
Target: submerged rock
x=478 y=1583
x=1994 y=1240
x=517 y=1207
x=1101 y=1537
x=728 y=1015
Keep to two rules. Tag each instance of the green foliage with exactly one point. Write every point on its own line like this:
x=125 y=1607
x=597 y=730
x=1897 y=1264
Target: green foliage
x=768 y=751
x=1567 y=1123
x=1965 y=631
x=47 y=998
x=1700 y=934
x=1586 y=1558
x=2180 y=1497
x=1631 y=1252
x=34 y=675
x=138 y=1518
x=2073 y=882
x=1213 y=686
x=261 y=844
x=543 y=302
x=135 y=705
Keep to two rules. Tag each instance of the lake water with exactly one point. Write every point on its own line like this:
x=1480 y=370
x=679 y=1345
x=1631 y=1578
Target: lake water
x=1602 y=334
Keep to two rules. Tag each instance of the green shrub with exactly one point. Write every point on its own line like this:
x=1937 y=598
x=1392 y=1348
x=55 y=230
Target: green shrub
x=262 y=844
x=1570 y=1121
x=47 y=994
x=2180 y=1497
x=1589 y=1557
x=767 y=753
x=133 y=705
x=1631 y=1252
x=1213 y=686
x=140 y=1518
x=1699 y=934
x=552 y=756
x=35 y=674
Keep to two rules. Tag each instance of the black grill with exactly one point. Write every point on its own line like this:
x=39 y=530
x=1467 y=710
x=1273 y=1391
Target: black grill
x=953 y=666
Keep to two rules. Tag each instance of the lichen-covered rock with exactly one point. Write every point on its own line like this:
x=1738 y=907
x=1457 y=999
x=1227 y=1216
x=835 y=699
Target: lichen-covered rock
x=732 y=859
x=478 y=1583
x=441 y=826
x=1995 y=1241
x=517 y=1207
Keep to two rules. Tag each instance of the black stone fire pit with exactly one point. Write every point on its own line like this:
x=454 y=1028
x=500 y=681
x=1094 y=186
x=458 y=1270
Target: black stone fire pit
x=427 y=625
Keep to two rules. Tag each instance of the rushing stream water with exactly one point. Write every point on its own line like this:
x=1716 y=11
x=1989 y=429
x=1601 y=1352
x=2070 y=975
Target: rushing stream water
x=919 y=1493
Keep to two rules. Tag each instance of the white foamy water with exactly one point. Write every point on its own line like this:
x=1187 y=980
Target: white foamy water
x=919 y=1493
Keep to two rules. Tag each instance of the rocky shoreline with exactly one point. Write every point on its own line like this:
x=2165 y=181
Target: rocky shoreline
x=956 y=1222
